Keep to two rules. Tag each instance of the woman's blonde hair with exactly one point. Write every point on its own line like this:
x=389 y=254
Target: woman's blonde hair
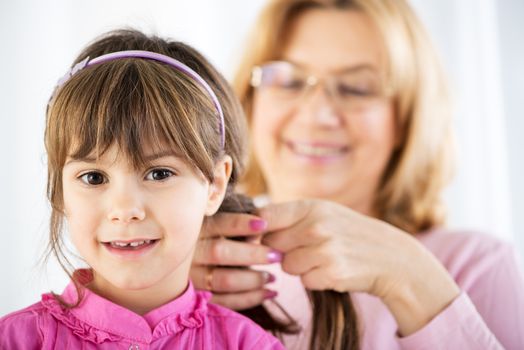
x=409 y=195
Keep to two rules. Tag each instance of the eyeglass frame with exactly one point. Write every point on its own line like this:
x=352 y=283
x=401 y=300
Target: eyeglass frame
x=311 y=81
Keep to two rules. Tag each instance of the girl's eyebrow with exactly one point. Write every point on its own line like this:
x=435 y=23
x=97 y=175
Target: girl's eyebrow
x=162 y=154
x=148 y=158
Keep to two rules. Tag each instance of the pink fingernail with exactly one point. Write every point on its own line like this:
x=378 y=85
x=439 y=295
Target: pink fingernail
x=258 y=224
x=274 y=256
x=270 y=277
x=270 y=294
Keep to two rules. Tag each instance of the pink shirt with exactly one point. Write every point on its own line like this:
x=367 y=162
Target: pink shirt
x=188 y=322
x=488 y=314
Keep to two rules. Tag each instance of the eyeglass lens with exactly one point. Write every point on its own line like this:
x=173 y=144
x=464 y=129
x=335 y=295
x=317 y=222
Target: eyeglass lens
x=288 y=83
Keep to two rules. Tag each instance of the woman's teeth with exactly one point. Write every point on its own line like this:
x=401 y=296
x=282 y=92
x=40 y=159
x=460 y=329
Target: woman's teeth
x=317 y=151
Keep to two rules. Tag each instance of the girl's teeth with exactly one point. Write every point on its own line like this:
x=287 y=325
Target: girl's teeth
x=132 y=244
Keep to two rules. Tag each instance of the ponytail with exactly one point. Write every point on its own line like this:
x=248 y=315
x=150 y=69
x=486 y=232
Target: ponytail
x=334 y=321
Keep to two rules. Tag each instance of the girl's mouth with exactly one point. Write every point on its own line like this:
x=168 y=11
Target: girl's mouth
x=133 y=245
x=130 y=249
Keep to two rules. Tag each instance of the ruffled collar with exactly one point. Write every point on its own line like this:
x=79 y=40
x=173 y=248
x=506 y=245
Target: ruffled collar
x=97 y=319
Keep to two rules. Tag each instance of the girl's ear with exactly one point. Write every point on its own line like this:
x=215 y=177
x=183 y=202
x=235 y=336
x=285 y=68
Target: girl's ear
x=217 y=189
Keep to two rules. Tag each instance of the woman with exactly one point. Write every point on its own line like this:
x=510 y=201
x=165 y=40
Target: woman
x=347 y=106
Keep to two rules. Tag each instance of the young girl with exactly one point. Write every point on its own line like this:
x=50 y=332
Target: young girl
x=141 y=147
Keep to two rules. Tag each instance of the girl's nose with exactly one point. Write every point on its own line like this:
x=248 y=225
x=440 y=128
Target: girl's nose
x=126 y=206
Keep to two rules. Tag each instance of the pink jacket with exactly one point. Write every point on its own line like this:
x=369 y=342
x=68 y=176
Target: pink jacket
x=188 y=322
x=488 y=314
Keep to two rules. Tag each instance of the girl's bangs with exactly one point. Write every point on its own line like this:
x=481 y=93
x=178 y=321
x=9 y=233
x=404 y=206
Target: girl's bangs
x=132 y=104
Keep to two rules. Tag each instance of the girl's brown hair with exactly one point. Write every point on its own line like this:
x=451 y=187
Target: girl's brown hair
x=133 y=103
x=409 y=195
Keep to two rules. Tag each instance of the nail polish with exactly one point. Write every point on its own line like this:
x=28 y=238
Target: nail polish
x=258 y=224
x=274 y=256
x=269 y=277
x=270 y=294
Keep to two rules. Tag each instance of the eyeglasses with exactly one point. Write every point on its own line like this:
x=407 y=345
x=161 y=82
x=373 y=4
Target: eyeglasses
x=286 y=84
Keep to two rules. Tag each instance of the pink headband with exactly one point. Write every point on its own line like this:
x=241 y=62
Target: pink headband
x=156 y=57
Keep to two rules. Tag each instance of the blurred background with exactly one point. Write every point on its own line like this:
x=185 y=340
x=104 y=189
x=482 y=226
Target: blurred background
x=480 y=42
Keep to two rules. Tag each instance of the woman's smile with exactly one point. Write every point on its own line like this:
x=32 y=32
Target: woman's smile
x=317 y=152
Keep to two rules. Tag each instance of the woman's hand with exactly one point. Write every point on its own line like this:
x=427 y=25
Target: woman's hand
x=332 y=247
x=221 y=265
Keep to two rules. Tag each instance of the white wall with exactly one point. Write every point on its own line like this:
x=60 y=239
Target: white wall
x=41 y=38
x=511 y=25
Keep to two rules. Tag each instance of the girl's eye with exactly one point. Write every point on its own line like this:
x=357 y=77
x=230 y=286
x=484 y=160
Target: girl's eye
x=93 y=178
x=159 y=174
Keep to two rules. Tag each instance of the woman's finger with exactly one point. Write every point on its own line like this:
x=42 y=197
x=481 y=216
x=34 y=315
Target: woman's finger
x=232 y=225
x=301 y=260
x=311 y=231
x=222 y=251
x=245 y=300
x=298 y=224
x=283 y=215
x=229 y=280
x=317 y=279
